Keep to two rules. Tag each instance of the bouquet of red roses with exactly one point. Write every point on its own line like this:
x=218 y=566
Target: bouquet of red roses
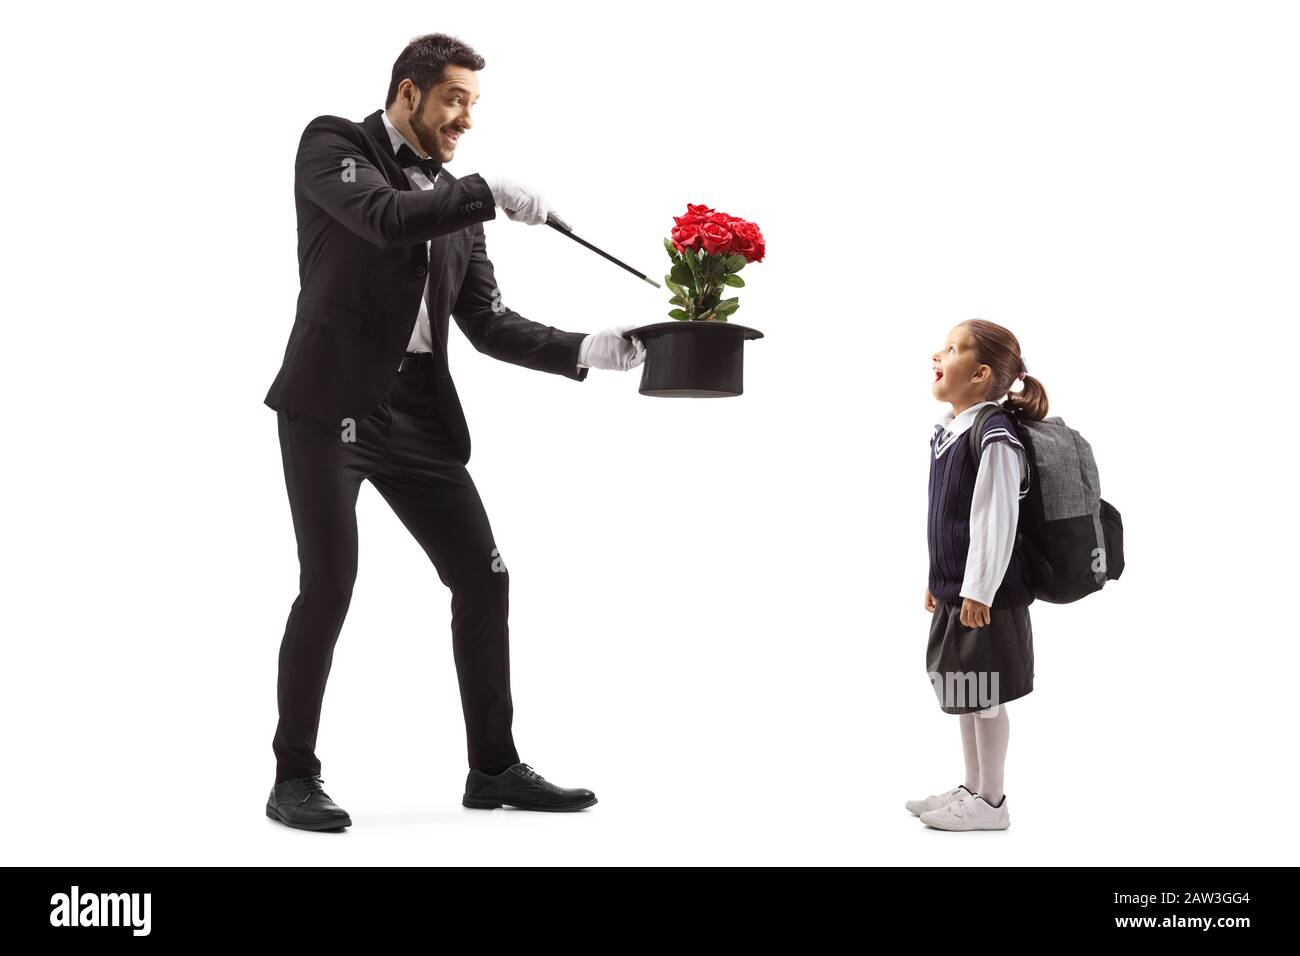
x=708 y=248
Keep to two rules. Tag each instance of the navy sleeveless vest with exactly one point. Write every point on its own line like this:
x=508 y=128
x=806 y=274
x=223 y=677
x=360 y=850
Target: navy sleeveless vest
x=952 y=485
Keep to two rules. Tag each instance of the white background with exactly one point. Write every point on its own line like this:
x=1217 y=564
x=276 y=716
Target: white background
x=716 y=606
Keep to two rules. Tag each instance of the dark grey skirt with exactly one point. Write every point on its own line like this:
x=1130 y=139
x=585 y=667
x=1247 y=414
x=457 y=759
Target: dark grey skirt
x=974 y=668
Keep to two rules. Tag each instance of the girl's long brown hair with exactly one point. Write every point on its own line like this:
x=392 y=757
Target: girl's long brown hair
x=997 y=348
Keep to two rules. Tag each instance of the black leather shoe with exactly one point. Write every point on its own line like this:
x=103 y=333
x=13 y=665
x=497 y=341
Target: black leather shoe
x=300 y=802
x=522 y=787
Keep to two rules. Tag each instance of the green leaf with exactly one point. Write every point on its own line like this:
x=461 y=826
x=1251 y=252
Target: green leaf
x=727 y=306
x=678 y=300
x=672 y=250
x=693 y=263
x=734 y=262
x=674 y=286
x=678 y=314
x=682 y=275
x=734 y=281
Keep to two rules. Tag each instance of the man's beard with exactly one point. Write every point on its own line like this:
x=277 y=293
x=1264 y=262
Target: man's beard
x=426 y=136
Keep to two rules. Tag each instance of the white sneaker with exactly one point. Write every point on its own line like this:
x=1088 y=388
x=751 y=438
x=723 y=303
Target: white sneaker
x=969 y=813
x=918 y=807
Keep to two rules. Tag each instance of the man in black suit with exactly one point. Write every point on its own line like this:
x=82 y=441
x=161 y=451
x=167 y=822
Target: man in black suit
x=389 y=245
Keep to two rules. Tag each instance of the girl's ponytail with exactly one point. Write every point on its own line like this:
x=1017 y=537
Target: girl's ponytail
x=1031 y=400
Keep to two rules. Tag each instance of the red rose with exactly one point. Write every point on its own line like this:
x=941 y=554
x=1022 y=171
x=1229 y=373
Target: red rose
x=747 y=229
x=748 y=240
x=695 y=216
x=716 y=238
x=686 y=236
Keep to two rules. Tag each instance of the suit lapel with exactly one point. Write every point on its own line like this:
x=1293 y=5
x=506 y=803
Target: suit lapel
x=374 y=127
x=437 y=247
x=437 y=270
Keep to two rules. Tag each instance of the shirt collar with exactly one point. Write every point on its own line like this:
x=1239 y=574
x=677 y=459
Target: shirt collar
x=395 y=137
x=956 y=424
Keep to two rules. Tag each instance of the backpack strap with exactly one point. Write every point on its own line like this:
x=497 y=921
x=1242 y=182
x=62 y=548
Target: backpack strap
x=977 y=427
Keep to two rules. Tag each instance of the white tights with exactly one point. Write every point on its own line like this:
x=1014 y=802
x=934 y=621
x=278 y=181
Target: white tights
x=984 y=738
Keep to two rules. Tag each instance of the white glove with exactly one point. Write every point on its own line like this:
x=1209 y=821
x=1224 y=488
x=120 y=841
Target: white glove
x=608 y=349
x=520 y=203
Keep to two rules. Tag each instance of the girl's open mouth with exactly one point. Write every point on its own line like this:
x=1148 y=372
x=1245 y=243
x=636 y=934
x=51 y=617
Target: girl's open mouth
x=937 y=375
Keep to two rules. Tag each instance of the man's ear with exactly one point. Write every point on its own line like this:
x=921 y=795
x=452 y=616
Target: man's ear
x=405 y=92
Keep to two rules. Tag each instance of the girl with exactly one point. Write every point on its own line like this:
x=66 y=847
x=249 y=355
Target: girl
x=981 y=651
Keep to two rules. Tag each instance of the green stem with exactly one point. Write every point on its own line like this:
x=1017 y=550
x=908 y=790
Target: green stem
x=705 y=282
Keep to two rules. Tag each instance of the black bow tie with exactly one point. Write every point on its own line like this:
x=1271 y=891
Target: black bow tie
x=406 y=157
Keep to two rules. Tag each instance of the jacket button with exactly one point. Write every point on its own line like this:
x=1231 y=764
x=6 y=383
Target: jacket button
x=421 y=272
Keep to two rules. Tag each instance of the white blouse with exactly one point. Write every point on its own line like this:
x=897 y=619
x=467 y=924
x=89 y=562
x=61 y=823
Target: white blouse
x=1000 y=483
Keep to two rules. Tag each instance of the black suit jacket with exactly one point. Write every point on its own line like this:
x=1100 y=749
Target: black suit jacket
x=362 y=265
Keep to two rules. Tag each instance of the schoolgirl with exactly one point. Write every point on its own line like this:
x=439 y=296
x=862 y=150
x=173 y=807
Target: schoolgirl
x=980 y=652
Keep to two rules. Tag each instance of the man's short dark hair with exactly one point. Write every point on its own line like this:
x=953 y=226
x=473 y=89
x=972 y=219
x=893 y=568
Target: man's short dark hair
x=425 y=59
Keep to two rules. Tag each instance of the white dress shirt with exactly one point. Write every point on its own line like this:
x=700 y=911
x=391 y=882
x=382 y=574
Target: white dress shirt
x=1000 y=483
x=422 y=334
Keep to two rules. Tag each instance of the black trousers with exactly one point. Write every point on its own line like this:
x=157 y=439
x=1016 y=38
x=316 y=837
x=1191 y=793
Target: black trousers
x=404 y=450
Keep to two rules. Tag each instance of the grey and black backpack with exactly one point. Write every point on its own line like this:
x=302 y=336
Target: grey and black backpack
x=1072 y=539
